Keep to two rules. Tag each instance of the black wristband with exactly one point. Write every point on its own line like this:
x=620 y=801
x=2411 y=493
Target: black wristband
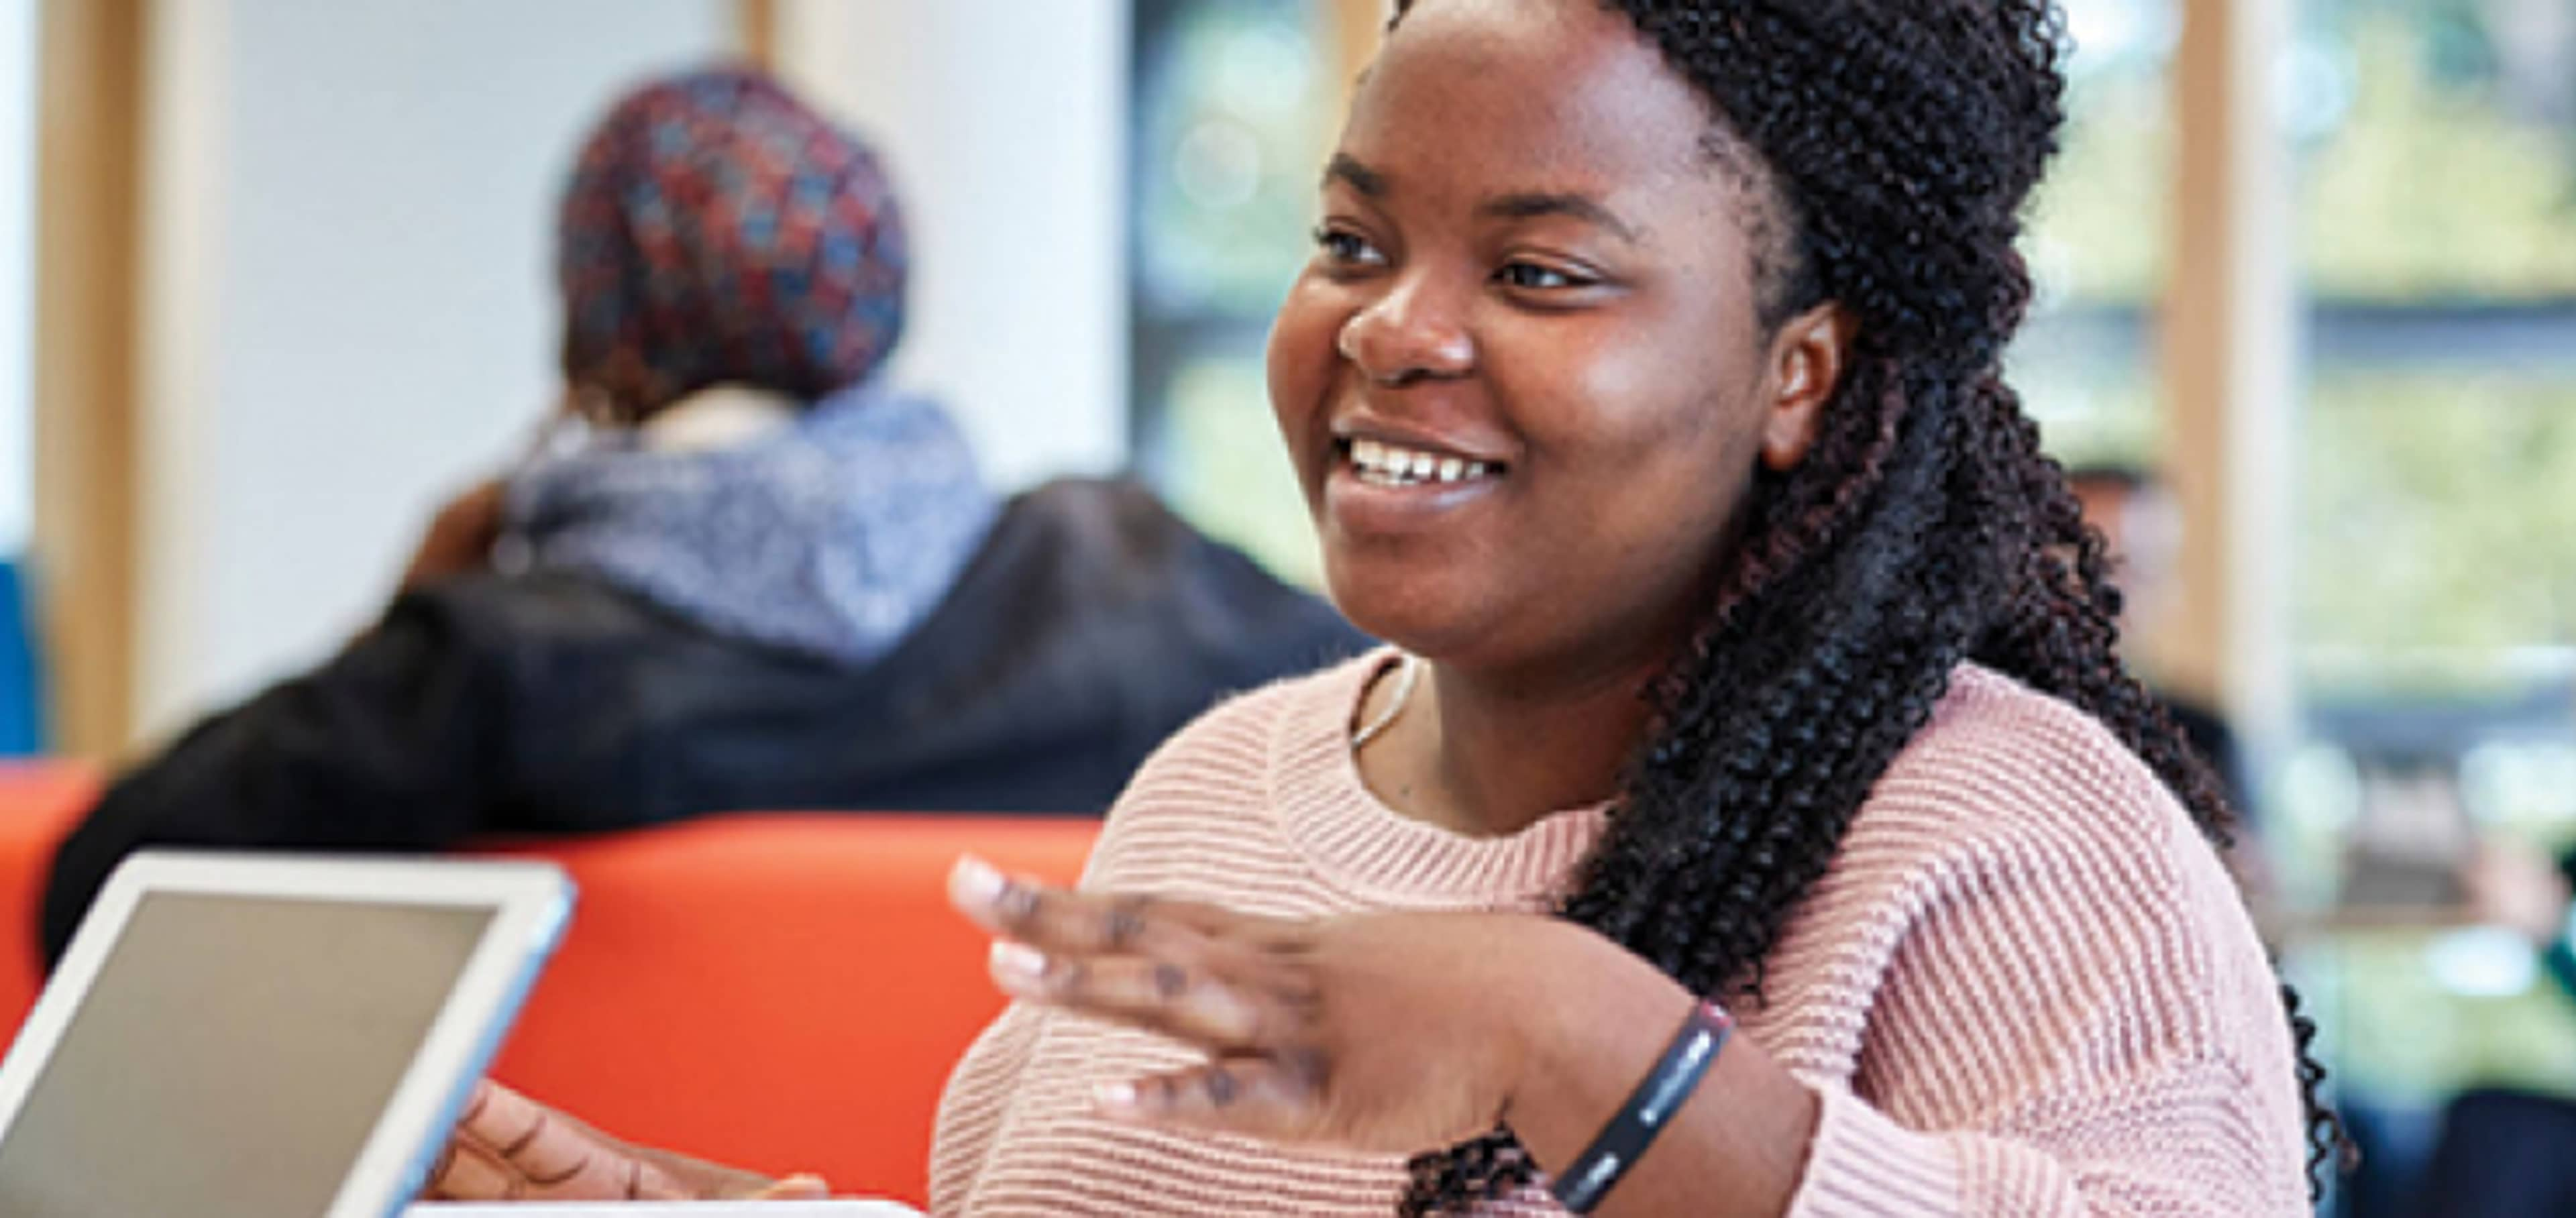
x=1633 y=1128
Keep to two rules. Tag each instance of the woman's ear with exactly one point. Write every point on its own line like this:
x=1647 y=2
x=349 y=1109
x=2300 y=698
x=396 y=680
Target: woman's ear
x=1806 y=363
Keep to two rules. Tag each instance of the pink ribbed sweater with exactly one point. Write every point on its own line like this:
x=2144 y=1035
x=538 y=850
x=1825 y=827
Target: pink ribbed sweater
x=2024 y=987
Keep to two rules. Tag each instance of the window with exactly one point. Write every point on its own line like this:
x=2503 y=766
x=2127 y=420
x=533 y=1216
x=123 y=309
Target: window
x=2435 y=589
x=1233 y=113
x=2100 y=237
x=2438 y=212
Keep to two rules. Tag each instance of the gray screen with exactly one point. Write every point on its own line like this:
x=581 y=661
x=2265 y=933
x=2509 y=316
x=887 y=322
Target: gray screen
x=231 y=1057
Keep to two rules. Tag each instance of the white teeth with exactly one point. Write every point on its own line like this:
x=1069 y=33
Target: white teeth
x=1388 y=465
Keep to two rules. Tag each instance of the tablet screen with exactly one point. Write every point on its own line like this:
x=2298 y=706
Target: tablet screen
x=232 y=1056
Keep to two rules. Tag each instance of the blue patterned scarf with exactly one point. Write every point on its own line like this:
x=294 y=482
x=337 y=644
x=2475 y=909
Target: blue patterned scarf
x=833 y=536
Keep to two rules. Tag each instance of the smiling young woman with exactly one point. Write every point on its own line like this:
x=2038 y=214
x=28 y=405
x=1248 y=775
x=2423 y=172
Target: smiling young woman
x=1644 y=386
x=1752 y=816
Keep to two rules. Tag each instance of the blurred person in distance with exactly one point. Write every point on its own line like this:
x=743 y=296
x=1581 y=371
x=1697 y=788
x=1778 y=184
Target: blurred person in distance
x=739 y=571
x=2141 y=530
x=2503 y=1151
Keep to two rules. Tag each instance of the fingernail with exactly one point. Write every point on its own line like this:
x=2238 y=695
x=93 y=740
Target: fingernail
x=1115 y=1097
x=973 y=882
x=1018 y=963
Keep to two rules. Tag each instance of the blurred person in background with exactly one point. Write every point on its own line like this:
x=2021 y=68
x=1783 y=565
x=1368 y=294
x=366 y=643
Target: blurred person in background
x=740 y=572
x=2504 y=1152
x=2142 y=531
x=2141 y=528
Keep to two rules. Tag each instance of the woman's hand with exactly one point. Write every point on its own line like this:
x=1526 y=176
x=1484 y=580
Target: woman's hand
x=1380 y=1032
x=510 y=1148
x=460 y=537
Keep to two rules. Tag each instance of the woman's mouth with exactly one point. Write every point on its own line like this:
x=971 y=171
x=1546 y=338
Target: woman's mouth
x=1381 y=488
x=1380 y=463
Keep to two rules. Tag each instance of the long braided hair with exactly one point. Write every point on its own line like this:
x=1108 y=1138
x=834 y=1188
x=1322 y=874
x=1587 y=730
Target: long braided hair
x=1894 y=142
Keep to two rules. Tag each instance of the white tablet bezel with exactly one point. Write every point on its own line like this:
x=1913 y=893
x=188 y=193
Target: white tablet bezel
x=531 y=901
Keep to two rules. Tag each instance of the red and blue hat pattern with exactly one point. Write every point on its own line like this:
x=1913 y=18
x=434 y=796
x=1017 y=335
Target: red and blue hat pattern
x=718 y=230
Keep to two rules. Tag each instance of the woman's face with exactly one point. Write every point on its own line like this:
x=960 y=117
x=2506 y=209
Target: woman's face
x=1523 y=379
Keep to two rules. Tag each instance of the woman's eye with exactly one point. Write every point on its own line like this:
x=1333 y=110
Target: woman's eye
x=1532 y=276
x=1345 y=248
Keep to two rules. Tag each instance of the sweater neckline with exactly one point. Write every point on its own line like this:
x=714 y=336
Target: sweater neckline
x=1359 y=843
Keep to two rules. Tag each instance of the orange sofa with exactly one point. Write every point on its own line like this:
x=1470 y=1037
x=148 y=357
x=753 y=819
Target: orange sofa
x=39 y=802
x=785 y=992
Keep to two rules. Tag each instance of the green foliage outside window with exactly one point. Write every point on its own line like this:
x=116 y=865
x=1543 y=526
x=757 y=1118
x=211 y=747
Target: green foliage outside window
x=2441 y=189
x=2099 y=240
x=2437 y=515
x=2438 y=496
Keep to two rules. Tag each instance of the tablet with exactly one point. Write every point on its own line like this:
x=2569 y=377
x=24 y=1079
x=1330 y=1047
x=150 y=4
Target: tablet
x=267 y=1036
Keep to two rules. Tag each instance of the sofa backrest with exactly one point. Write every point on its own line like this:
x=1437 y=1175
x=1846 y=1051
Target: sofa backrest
x=778 y=992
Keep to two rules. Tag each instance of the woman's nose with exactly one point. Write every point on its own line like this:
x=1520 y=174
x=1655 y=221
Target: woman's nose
x=1409 y=334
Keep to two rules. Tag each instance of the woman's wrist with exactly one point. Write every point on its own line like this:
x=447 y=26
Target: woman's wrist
x=1581 y=1184
x=1594 y=1025
x=1585 y=994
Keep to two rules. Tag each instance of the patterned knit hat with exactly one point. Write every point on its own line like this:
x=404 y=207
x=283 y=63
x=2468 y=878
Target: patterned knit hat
x=718 y=230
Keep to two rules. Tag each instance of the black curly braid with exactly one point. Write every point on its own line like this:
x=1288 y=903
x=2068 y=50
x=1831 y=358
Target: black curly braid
x=1894 y=142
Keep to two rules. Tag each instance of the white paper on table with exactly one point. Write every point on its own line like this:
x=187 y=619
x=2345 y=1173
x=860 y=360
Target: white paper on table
x=662 y=1209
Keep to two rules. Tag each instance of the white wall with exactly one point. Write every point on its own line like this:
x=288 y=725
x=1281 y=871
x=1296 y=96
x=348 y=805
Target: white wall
x=1004 y=124
x=348 y=206
x=17 y=269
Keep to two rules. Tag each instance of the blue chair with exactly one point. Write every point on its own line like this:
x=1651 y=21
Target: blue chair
x=22 y=686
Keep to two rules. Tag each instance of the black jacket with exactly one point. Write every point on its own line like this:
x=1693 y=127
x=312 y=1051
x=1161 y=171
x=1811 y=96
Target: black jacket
x=1091 y=624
